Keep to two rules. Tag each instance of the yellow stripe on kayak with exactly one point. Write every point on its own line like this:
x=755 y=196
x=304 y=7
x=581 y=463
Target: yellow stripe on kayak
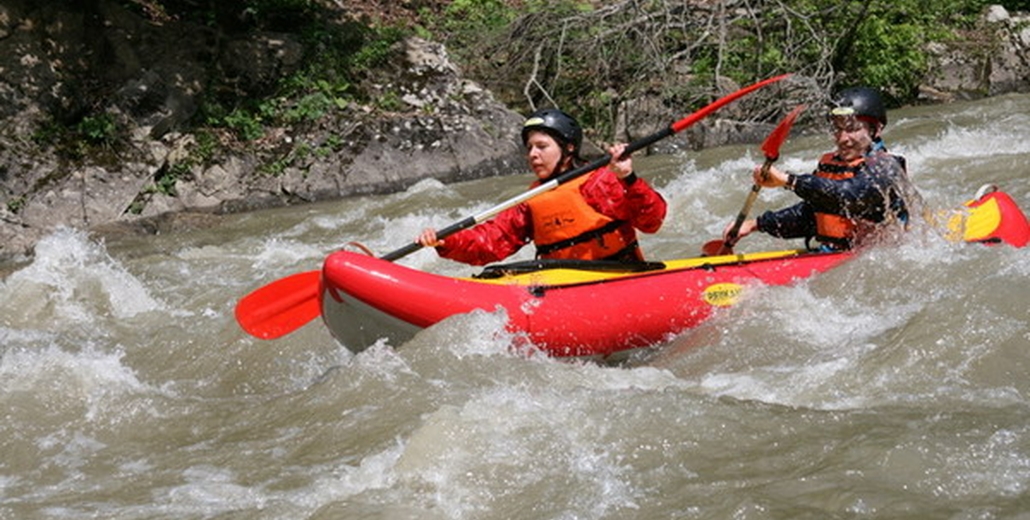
x=551 y=277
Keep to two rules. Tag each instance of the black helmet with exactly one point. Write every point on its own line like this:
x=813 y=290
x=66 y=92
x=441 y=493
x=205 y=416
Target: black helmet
x=556 y=123
x=859 y=102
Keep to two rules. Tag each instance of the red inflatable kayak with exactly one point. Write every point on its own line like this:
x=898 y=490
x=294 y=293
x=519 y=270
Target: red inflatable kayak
x=592 y=309
x=564 y=308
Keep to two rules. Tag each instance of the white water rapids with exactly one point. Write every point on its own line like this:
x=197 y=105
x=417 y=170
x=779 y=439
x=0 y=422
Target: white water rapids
x=896 y=386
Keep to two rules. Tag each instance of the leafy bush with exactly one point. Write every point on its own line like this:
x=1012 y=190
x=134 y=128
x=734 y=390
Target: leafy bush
x=97 y=130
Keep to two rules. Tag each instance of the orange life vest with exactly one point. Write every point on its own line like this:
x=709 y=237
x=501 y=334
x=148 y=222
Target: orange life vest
x=566 y=227
x=831 y=227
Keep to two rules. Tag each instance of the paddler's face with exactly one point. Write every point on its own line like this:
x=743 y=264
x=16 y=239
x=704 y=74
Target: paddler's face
x=852 y=135
x=543 y=153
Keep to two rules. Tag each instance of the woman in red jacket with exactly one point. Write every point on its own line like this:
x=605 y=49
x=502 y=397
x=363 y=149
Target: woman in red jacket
x=594 y=217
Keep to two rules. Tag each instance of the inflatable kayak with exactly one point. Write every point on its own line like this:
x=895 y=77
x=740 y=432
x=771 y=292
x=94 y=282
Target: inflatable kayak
x=563 y=308
x=585 y=308
x=991 y=217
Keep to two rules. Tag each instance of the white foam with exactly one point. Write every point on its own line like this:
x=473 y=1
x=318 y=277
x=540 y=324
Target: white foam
x=523 y=436
x=92 y=379
x=73 y=278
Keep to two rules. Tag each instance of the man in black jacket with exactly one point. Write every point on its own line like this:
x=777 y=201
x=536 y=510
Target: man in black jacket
x=856 y=189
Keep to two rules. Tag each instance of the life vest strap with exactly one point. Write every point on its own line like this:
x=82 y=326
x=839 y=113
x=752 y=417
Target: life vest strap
x=595 y=234
x=630 y=253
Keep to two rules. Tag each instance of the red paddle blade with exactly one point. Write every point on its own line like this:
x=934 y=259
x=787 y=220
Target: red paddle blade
x=717 y=247
x=280 y=307
x=719 y=103
x=771 y=145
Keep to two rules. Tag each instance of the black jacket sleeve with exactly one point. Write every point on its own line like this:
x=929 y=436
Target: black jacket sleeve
x=797 y=221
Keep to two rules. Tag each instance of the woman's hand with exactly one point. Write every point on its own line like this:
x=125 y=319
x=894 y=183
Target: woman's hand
x=622 y=167
x=428 y=238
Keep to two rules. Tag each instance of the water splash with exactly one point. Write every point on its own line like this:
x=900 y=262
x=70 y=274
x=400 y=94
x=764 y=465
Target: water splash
x=72 y=279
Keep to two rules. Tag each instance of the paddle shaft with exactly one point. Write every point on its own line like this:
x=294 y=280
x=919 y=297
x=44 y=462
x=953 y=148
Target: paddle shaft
x=733 y=235
x=574 y=173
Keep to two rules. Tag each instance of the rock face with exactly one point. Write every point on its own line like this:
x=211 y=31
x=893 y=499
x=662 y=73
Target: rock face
x=441 y=126
x=115 y=74
x=993 y=59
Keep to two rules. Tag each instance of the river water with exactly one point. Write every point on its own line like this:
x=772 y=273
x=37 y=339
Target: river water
x=896 y=386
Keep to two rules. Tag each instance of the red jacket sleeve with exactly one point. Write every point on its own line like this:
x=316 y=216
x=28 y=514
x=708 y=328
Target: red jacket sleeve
x=490 y=241
x=635 y=201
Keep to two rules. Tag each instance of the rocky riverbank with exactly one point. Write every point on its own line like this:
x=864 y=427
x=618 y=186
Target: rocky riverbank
x=441 y=124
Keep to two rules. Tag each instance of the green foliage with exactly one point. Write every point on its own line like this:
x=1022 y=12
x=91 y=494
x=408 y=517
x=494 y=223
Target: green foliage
x=465 y=21
x=207 y=145
x=165 y=180
x=889 y=56
x=332 y=144
x=165 y=183
x=15 y=204
x=1017 y=5
x=246 y=123
x=49 y=133
x=311 y=107
x=97 y=130
x=389 y=102
x=373 y=47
